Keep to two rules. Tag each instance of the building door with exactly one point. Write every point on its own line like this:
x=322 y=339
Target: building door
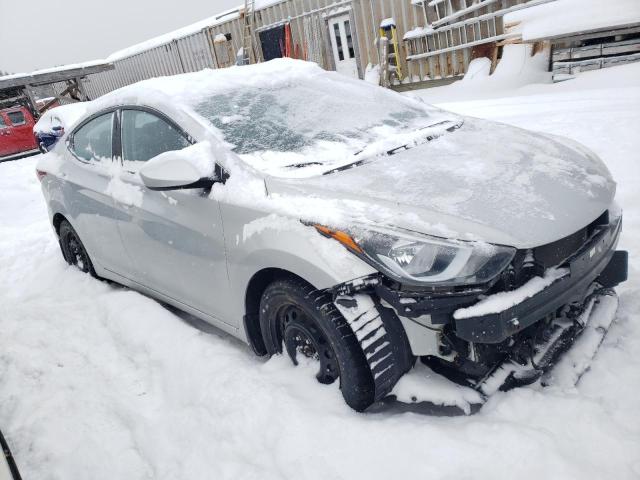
x=340 y=32
x=272 y=42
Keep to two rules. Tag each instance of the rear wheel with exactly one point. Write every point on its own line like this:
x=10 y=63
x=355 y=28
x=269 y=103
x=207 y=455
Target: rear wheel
x=305 y=323
x=73 y=250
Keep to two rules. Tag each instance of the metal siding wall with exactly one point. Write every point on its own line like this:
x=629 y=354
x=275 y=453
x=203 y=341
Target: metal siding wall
x=196 y=54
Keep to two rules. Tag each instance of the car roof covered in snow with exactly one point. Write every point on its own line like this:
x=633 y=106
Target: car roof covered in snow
x=284 y=114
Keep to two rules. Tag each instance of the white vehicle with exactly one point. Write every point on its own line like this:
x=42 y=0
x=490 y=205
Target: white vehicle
x=305 y=212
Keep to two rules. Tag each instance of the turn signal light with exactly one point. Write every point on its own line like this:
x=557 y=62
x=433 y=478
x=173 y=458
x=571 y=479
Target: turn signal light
x=343 y=237
x=40 y=174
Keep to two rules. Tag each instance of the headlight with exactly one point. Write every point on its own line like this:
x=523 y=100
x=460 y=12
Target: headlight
x=425 y=260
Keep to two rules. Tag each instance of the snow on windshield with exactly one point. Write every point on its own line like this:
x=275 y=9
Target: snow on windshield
x=304 y=118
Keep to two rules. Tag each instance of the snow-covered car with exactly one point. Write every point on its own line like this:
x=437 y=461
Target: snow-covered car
x=308 y=213
x=52 y=124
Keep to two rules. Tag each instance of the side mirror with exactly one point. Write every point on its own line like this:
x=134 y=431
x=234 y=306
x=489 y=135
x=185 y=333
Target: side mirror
x=174 y=171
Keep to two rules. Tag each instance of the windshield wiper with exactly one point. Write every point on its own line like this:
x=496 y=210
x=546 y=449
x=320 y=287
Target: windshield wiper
x=303 y=164
x=454 y=126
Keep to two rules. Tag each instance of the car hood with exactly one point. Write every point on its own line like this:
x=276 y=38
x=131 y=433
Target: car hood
x=486 y=181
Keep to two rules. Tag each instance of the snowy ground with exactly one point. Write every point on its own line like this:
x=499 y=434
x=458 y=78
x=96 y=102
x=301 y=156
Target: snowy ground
x=100 y=382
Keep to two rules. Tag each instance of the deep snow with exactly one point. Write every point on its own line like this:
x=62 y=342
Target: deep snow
x=100 y=382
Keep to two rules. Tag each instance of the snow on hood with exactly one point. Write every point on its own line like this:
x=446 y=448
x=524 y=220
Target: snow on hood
x=485 y=181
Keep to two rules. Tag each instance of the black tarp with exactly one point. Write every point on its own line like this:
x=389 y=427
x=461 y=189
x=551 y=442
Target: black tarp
x=272 y=41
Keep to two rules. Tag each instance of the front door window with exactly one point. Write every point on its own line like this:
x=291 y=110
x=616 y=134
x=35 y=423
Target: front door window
x=145 y=135
x=342 y=44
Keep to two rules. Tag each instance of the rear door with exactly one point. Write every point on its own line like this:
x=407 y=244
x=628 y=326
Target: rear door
x=175 y=237
x=87 y=189
x=21 y=123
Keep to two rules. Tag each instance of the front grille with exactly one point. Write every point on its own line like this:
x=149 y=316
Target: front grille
x=531 y=263
x=554 y=253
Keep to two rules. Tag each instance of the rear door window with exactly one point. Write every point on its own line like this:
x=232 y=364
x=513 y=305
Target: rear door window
x=145 y=135
x=16 y=118
x=93 y=141
x=2 y=124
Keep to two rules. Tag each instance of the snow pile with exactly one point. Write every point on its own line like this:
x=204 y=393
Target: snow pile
x=421 y=384
x=516 y=69
x=478 y=68
x=564 y=17
x=372 y=74
x=501 y=301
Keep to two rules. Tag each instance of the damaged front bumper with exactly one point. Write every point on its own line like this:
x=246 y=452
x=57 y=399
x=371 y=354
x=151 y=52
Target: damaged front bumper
x=559 y=360
x=499 y=350
x=598 y=261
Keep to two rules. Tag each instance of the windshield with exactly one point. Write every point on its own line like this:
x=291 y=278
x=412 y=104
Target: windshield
x=314 y=124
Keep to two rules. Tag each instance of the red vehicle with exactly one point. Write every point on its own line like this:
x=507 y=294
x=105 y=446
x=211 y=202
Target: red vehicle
x=16 y=131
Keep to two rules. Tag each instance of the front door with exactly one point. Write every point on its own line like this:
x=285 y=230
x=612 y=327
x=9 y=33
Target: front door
x=341 y=34
x=175 y=238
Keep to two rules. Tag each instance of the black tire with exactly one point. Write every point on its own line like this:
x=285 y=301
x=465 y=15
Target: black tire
x=291 y=310
x=73 y=250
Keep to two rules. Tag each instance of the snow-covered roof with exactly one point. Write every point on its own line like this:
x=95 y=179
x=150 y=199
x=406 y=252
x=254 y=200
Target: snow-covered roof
x=165 y=38
x=175 y=34
x=568 y=17
x=53 y=74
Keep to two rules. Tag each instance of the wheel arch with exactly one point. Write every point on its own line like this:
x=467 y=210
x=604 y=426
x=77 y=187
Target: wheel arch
x=57 y=221
x=253 y=294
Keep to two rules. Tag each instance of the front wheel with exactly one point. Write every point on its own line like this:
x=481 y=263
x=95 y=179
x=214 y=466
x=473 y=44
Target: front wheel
x=73 y=250
x=306 y=322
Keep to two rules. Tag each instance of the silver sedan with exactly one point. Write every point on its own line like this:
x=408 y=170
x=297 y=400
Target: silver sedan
x=307 y=213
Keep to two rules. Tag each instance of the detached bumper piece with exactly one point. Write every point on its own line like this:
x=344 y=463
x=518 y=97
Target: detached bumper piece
x=558 y=359
x=564 y=355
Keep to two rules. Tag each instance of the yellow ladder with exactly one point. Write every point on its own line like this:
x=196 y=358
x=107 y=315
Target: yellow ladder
x=388 y=30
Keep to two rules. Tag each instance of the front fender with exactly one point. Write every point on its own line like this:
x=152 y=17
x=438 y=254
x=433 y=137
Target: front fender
x=274 y=241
